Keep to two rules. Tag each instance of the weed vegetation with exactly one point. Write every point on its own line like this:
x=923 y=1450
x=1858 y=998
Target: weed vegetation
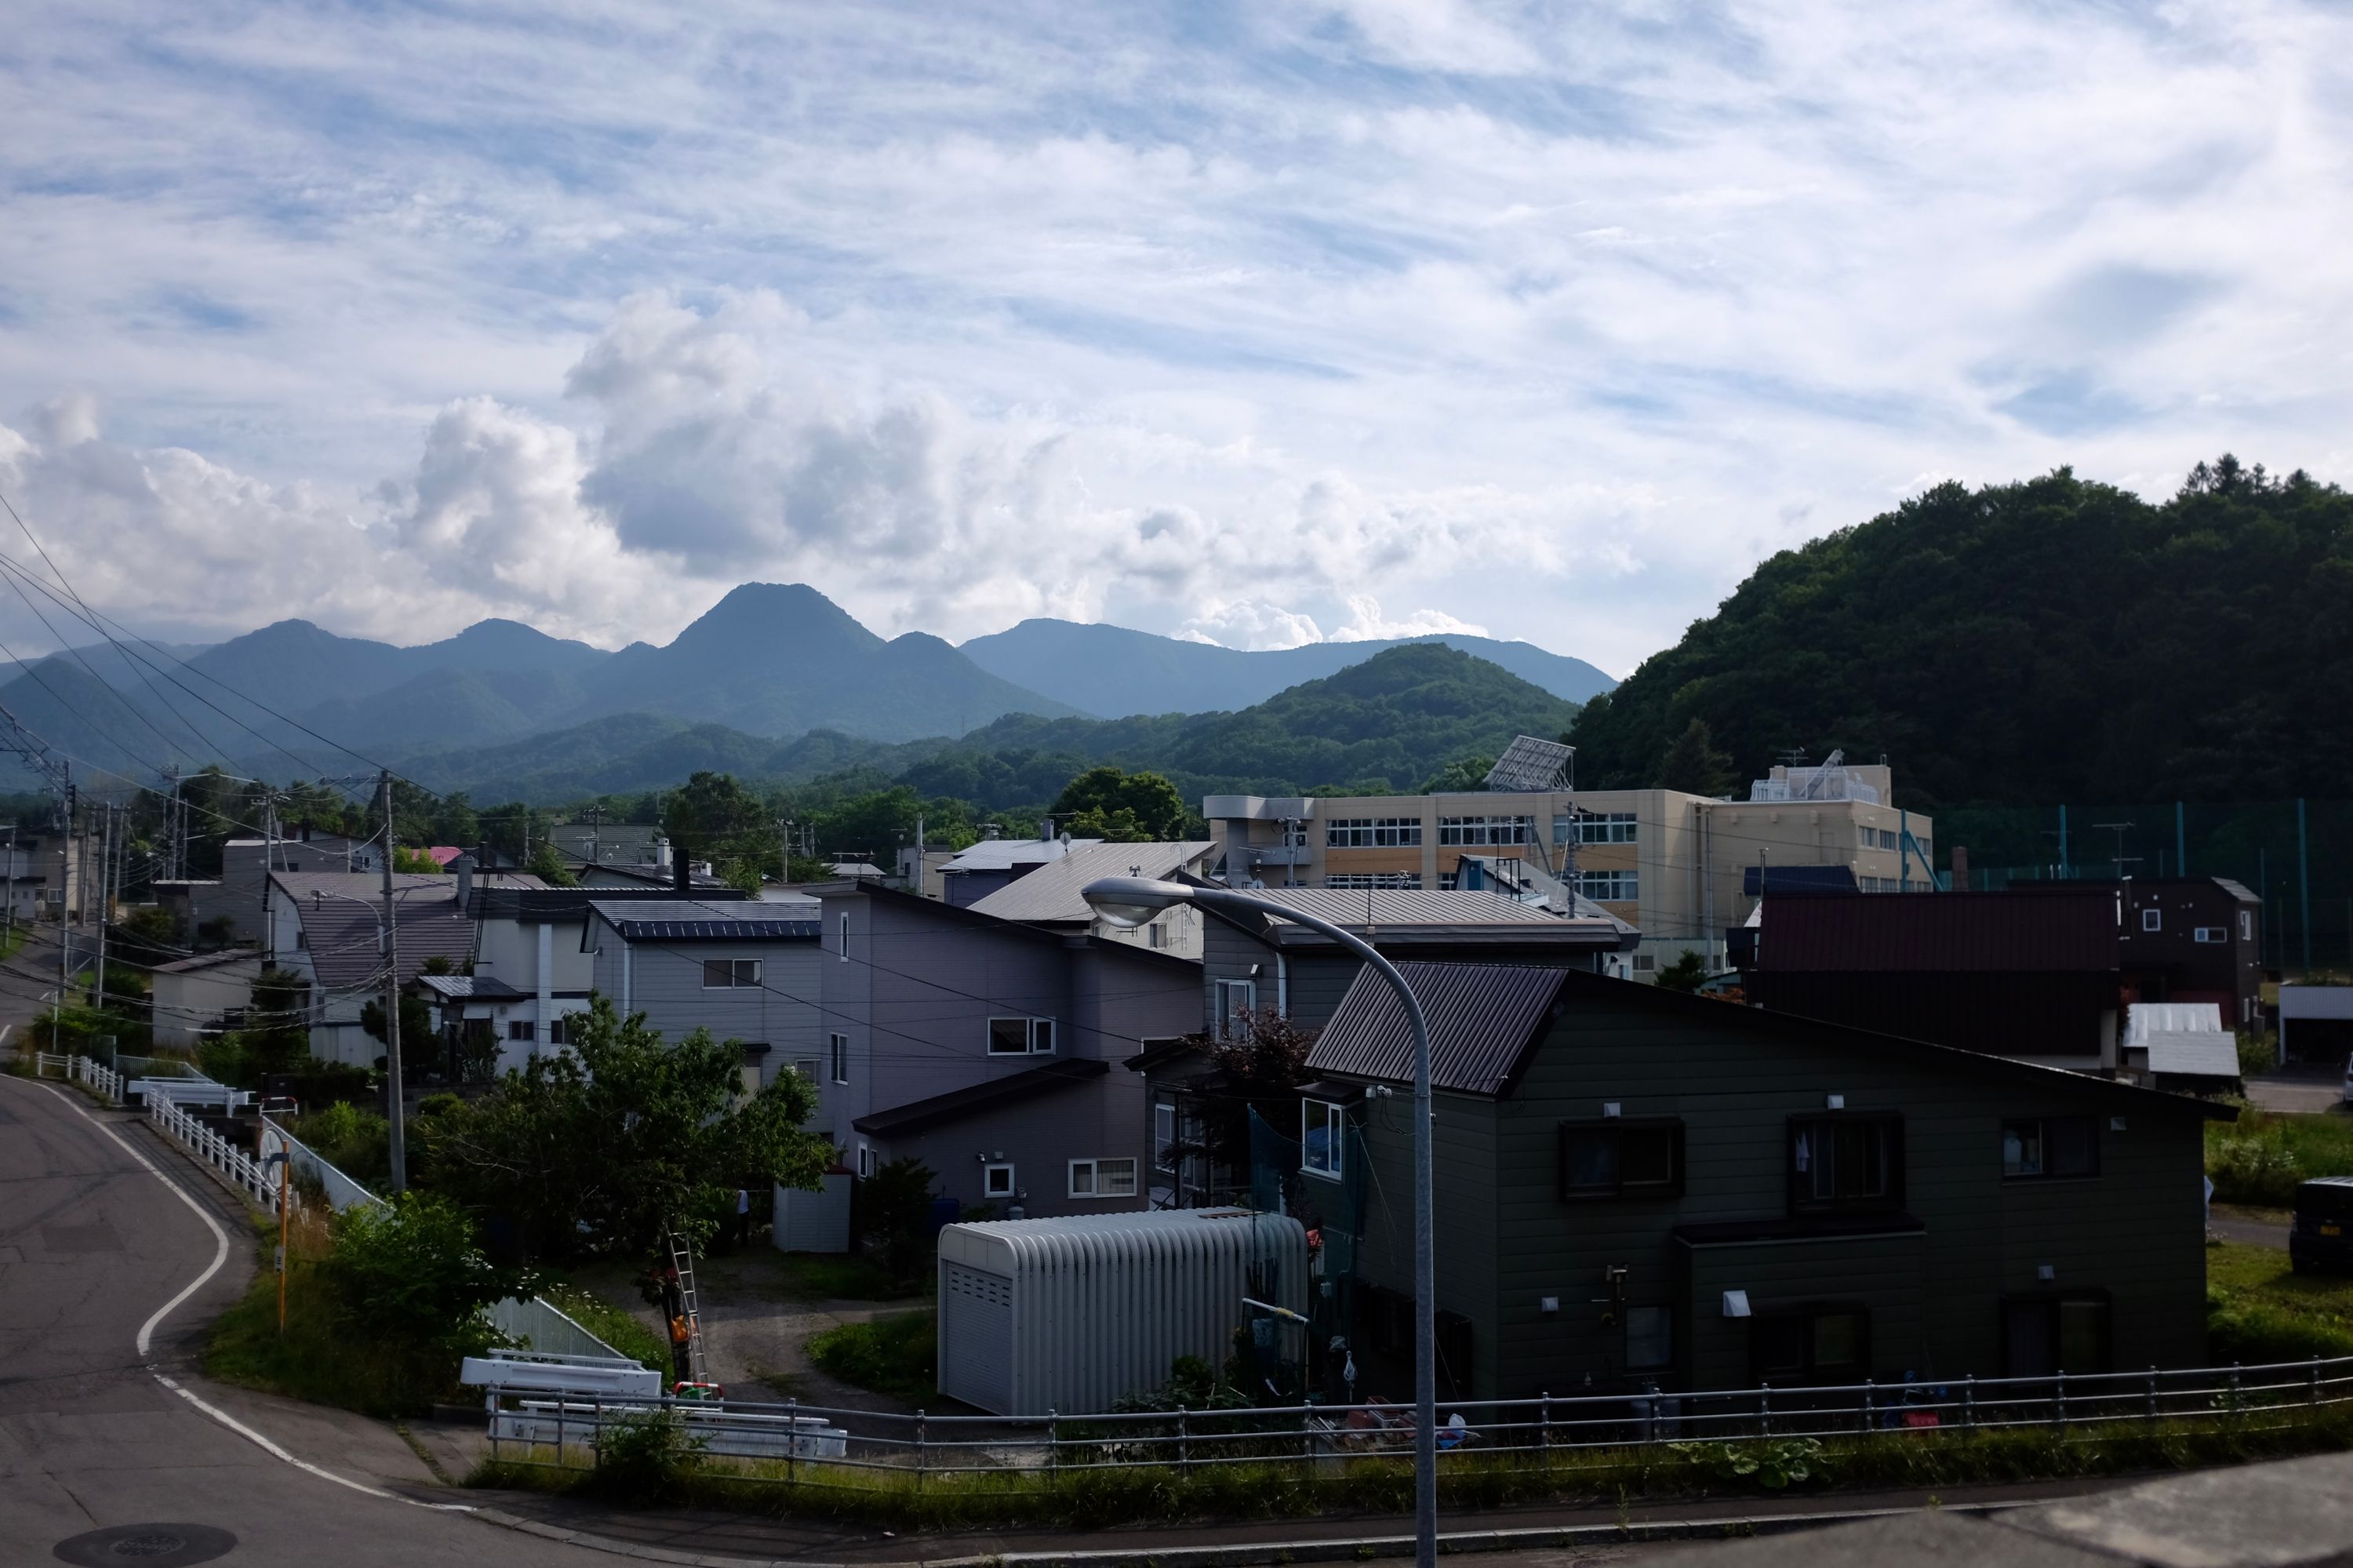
x=2260 y=1158
x=2260 y=1309
x=897 y=1356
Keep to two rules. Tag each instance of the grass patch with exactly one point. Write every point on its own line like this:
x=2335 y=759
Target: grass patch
x=895 y=1356
x=852 y=1277
x=318 y=1358
x=1082 y=1495
x=2260 y=1158
x=2260 y=1309
x=615 y=1325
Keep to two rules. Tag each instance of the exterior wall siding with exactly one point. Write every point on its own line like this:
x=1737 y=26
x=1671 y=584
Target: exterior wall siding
x=2136 y=1231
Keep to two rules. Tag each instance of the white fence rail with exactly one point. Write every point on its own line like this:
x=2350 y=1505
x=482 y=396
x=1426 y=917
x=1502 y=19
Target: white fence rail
x=102 y=1078
x=248 y=1175
x=1522 y=1433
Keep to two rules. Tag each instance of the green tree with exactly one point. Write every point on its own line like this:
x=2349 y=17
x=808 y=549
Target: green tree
x=1694 y=765
x=547 y=865
x=707 y=818
x=1461 y=775
x=599 y=1147
x=1685 y=974
x=411 y=1277
x=1105 y=802
x=419 y=1041
x=275 y=1037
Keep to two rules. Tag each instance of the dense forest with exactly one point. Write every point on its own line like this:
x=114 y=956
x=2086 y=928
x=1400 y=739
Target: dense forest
x=2050 y=640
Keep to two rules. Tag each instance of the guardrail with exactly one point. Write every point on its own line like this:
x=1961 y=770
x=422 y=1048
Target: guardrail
x=343 y=1191
x=102 y=1078
x=1521 y=1434
x=45 y=1060
x=248 y=1175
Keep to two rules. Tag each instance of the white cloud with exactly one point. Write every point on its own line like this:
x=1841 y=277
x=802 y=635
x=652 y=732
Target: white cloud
x=1367 y=623
x=580 y=317
x=1251 y=623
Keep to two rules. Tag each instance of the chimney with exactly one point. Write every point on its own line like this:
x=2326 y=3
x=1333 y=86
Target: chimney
x=682 y=870
x=1960 y=868
x=464 y=866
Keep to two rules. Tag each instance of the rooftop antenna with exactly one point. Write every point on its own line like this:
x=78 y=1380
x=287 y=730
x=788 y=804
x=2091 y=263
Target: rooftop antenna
x=2121 y=859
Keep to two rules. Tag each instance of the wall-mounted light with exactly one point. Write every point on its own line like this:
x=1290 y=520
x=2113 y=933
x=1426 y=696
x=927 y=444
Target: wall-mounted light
x=1835 y=1102
x=1549 y=1306
x=2046 y=1273
x=1609 y=1107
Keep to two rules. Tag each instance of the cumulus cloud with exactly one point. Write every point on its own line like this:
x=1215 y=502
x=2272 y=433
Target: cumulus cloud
x=1249 y=623
x=1366 y=622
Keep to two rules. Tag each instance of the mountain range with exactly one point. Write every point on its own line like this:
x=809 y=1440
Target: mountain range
x=768 y=665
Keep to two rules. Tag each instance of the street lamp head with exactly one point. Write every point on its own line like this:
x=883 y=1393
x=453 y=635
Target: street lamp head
x=1128 y=902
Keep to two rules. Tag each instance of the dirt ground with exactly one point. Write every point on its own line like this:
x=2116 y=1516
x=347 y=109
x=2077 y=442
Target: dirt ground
x=755 y=1321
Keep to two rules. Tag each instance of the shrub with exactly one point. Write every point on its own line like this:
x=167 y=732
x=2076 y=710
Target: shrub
x=644 y=1457
x=410 y=1275
x=1774 y=1464
x=895 y=1356
x=2254 y=1169
x=2256 y=1055
x=354 y=1141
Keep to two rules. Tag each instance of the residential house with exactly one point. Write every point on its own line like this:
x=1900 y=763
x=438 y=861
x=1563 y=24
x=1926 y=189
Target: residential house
x=986 y=1048
x=975 y=873
x=328 y=927
x=242 y=894
x=24 y=891
x=744 y=969
x=2183 y=939
x=531 y=965
x=1053 y=896
x=1670 y=864
x=195 y=998
x=1257 y=963
x=1637 y=1187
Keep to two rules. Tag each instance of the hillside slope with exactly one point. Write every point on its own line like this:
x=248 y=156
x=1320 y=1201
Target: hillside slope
x=2050 y=640
x=1112 y=671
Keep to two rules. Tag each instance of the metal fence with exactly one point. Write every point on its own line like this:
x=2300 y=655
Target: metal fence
x=1530 y=1435
x=547 y=1328
x=341 y=1191
x=243 y=1172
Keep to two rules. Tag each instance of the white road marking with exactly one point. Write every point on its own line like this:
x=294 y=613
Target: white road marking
x=220 y=1256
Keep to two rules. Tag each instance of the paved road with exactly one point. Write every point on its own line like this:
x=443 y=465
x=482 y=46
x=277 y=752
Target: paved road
x=2308 y=1090
x=96 y=1253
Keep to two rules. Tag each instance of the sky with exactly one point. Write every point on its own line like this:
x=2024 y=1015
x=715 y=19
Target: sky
x=1259 y=324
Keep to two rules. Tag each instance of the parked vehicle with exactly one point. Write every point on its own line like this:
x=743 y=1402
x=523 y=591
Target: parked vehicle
x=2321 y=1239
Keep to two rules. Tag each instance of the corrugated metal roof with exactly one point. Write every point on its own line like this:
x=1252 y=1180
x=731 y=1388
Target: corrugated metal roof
x=1353 y=907
x=462 y=987
x=687 y=920
x=1004 y=855
x=2206 y=1051
x=2144 y=1018
x=1483 y=1018
x=1054 y=892
x=1926 y=932
x=340 y=930
x=541 y=904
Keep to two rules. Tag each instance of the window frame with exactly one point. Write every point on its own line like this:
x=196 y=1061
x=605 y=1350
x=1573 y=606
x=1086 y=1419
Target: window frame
x=2041 y=1124
x=2053 y=1301
x=993 y=1049
x=2246 y=924
x=1335 y=1139
x=1617 y=1126
x=1618 y=885
x=2152 y=920
x=988 y=1175
x=1164 y=1141
x=1893 y=1157
x=737 y=979
x=522 y=1029
x=1605 y=827
x=838 y=1049
x=1095 y=1173
x=845 y=937
x=2210 y=936
x=1222 y=991
x=1810 y=1313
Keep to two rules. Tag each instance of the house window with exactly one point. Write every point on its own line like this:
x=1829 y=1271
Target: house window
x=1323 y=1133
x=1646 y=963
x=2206 y=934
x=1236 y=1001
x=720 y=974
x=2152 y=919
x=2044 y=1335
x=1819 y=1345
x=1597 y=828
x=1610 y=886
x=1846 y=1163
x=1164 y=1136
x=845 y=938
x=1103 y=1178
x=1618 y=1157
x=1472 y=830
x=521 y=1029
x=558 y=1035
x=1020 y=1036
x=997 y=1180
x=840 y=1046
x=806 y=1065
x=2052 y=1145
x=2246 y=924
x=1373 y=833
x=865 y=1161
x=1649 y=1338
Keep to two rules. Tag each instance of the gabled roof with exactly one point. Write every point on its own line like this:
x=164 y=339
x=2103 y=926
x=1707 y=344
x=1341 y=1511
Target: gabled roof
x=1019 y=930
x=1486 y=1024
x=648 y=875
x=465 y=988
x=957 y=1104
x=341 y=934
x=1392 y=916
x=2069 y=931
x=207 y=960
x=1004 y=855
x=709 y=920
x=536 y=905
x=1053 y=895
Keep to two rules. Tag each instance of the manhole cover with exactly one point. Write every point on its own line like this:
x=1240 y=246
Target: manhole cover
x=155 y=1545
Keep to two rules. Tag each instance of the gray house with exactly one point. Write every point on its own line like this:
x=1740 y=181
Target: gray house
x=1638 y=1187
x=744 y=969
x=988 y=1049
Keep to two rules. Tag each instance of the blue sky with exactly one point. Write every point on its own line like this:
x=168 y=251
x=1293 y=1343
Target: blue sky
x=1259 y=324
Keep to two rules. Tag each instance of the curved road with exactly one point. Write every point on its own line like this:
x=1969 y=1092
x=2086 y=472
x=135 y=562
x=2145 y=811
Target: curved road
x=96 y=1252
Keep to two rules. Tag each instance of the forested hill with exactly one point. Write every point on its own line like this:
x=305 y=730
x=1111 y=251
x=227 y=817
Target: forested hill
x=2044 y=641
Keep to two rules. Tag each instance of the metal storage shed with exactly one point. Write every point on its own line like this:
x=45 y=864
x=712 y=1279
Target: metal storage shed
x=1070 y=1314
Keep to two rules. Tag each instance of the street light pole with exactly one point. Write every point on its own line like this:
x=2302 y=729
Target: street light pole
x=1132 y=901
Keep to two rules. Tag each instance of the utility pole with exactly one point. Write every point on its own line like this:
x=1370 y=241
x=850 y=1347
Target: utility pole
x=105 y=854
x=11 y=926
x=394 y=1108
x=2304 y=887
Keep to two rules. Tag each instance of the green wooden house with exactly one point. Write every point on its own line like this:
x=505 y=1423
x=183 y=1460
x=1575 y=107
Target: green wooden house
x=1639 y=1187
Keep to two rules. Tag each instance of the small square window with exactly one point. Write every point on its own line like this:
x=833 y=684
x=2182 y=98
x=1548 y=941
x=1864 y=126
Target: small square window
x=1649 y=1338
x=521 y=1029
x=1008 y=1037
x=1846 y=1163
x=807 y=1067
x=2207 y=935
x=2051 y=1146
x=2152 y=919
x=997 y=1180
x=1621 y=1157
